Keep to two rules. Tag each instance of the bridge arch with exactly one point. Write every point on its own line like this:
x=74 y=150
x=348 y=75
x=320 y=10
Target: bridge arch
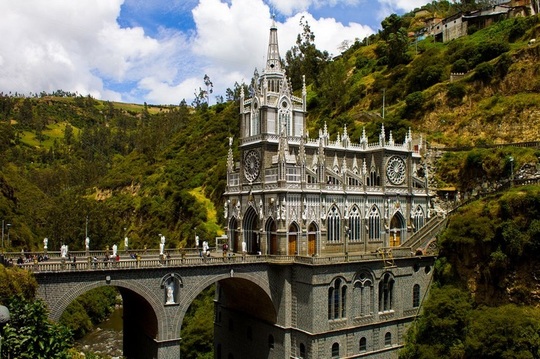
x=248 y=283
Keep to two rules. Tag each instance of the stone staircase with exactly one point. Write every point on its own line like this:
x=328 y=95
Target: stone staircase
x=422 y=239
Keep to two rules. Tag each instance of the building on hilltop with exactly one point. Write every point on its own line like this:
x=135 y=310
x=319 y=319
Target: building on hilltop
x=337 y=212
x=293 y=195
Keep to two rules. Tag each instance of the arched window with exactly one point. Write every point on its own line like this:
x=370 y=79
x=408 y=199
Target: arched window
x=386 y=293
x=416 y=296
x=302 y=351
x=388 y=339
x=354 y=224
x=271 y=341
x=335 y=350
x=337 y=300
x=418 y=218
x=333 y=225
x=255 y=126
x=363 y=344
x=374 y=179
x=374 y=224
x=363 y=296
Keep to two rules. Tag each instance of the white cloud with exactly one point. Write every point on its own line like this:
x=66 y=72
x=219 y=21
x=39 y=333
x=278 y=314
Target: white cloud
x=79 y=46
x=389 y=7
x=288 y=7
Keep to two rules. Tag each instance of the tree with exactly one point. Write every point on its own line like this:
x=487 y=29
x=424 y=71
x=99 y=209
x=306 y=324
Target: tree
x=26 y=115
x=30 y=334
x=304 y=59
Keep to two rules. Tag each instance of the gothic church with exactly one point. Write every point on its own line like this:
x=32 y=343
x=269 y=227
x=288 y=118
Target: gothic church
x=334 y=208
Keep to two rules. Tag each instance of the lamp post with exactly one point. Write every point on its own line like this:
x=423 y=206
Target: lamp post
x=4 y=318
x=2 y=236
x=511 y=171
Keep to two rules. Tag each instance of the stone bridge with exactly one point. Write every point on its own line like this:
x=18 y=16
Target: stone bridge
x=265 y=306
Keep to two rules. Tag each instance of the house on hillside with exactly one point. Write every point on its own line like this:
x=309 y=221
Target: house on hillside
x=461 y=24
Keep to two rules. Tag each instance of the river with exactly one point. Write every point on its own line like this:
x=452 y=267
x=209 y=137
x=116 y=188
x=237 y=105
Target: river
x=107 y=338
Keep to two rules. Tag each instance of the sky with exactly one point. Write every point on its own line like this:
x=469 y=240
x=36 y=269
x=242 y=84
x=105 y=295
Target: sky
x=158 y=51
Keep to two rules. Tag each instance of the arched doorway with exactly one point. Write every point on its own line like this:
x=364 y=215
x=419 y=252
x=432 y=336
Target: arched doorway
x=251 y=231
x=293 y=239
x=312 y=239
x=271 y=236
x=233 y=234
x=397 y=225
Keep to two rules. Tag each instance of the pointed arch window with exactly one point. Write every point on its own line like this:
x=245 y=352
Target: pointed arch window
x=374 y=224
x=374 y=179
x=255 y=123
x=386 y=293
x=337 y=300
x=418 y=218
x=285 y=119
x=363 y=296
x=333 y=225
x=354 y=224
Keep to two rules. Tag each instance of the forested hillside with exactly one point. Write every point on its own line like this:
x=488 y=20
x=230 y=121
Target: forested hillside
x=71 y=163
x=140 y=170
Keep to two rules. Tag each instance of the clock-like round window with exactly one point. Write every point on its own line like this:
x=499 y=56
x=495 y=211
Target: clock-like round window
x=252 y=165
x=395 y=170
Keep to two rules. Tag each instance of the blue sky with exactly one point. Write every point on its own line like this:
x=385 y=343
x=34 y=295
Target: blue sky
x=158 y=51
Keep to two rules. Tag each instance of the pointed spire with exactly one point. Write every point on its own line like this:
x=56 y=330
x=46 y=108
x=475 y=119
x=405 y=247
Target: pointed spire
x=391 y=139
x=230 y=159
x=382 y=136
x=335 y=166
x=273 y=61
x=364 y=167
x=314 y=162
x=302 y=152
x=363 y=139
x=355 y=165
x=344 y=165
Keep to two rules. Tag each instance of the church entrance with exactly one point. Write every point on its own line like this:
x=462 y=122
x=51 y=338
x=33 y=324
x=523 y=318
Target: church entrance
x=396 y=226
x=251 y=231
x=312 y=239
x=271 y=237
x=293 y=238
x=233 y=234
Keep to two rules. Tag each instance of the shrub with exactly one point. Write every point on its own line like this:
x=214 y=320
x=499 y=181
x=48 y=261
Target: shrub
x=484 y=72
x=460 y=66
x=455 y=92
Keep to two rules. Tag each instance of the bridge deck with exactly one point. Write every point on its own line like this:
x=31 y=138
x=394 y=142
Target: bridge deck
x=85 y=261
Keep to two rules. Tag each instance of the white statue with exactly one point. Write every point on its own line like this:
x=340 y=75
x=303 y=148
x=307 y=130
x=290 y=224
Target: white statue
x=45 y=243
x=170 y=293
x=196 y=241
x=126 y=243
x=161 y=244
x=114 y=250
x=87 y=243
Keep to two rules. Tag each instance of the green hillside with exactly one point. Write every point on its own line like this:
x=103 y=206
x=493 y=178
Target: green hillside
x=66 y=158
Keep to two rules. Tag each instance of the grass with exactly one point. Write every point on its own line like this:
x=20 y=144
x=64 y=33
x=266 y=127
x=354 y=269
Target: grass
x=211 y=213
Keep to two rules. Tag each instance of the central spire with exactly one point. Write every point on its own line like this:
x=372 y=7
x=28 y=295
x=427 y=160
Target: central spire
x=273 y=62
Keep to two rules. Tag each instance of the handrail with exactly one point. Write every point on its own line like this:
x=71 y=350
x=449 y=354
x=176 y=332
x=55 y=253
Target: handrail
x=214 y=260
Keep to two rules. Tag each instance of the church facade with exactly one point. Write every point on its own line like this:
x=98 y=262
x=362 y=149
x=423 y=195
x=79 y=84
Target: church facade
x=292 y=196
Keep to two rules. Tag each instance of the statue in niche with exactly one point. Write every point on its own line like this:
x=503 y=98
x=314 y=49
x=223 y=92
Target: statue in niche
x=170 y=293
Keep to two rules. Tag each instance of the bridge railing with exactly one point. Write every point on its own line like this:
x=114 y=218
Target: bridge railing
x=216 y=259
